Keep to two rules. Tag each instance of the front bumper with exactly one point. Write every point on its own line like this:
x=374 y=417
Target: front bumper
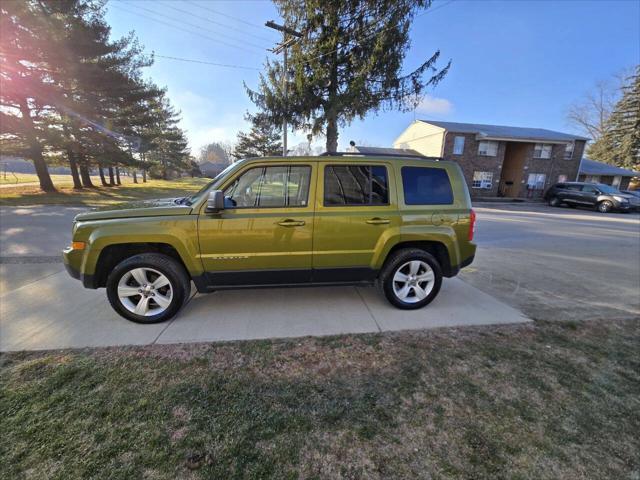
x=70 y=258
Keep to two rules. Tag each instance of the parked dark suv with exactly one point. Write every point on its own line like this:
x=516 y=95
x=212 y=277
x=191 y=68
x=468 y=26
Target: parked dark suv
x=596 y=195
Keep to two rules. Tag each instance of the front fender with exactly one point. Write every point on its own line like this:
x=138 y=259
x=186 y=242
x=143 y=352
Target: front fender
x=180 y=232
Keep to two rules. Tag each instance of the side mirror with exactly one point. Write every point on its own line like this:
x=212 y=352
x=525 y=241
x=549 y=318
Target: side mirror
x=215 y=203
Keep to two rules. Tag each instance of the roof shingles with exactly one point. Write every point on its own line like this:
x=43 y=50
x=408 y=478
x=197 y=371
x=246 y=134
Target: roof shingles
x=499 y=131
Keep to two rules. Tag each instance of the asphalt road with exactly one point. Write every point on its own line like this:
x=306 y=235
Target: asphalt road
x=551 y=263
x=559 y=263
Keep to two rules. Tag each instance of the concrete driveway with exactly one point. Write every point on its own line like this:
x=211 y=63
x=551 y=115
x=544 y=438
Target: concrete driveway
x=56 y=312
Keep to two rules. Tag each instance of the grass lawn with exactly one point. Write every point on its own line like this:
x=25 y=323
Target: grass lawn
x=539 y=401
x=31 y=195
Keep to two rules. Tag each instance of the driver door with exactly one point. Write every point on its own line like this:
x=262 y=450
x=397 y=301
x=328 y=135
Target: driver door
x=263 y=236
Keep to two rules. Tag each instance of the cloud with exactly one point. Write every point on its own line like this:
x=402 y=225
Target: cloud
x=435 y=105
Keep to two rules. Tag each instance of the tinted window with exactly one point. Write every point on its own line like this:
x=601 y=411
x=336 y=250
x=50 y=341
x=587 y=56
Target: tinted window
x=355 y=185
x=270 y=187
x=426 y=186
x=574 y=187
x=589 y=189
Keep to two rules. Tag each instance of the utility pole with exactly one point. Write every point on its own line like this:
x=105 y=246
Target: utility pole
x=282 y=47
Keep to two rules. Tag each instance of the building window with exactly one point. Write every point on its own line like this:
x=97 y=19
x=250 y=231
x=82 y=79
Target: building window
x=458 y=145
x=562 y=178
x=617 y=180
x=488 y=148
x=355 y=185
x=568 y=150
x=542 y=150
x=426 y=186
x=592 y=179
x=536 y=181
x=482 y=180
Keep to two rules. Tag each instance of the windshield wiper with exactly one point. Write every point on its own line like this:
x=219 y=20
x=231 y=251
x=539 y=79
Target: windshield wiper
x=181 y=200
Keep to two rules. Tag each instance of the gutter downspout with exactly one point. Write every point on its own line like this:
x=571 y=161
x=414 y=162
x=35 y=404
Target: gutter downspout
x=579 y=168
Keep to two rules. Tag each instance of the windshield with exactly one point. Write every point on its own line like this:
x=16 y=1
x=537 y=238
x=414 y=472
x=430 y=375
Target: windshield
x=608 y=189
x=197 y=196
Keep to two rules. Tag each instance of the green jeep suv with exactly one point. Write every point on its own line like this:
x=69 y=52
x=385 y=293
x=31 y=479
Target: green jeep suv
x=402 y=223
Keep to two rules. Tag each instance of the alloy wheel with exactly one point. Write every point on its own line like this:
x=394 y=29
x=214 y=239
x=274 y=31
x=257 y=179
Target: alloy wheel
x=145 y=291
x=413 y=281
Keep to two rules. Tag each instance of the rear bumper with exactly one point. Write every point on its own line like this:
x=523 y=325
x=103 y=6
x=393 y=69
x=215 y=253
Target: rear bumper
x=453 y=271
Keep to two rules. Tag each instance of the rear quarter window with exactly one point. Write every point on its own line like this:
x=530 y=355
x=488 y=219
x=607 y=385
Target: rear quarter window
x=426 y=186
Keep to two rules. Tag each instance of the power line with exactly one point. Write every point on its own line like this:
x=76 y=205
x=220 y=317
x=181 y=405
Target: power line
x=153 y=12
x=218 y=23
x=206 y=63
x=255 y=25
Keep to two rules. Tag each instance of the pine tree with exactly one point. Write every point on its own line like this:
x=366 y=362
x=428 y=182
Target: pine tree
x=263 y=139
x=620 y=144
x=28 y=123
x=347 y=63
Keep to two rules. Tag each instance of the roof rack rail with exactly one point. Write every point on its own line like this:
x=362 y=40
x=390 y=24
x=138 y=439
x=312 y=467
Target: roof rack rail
x=360 y=154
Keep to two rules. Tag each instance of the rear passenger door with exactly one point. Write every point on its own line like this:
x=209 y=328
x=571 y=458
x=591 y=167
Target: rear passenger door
x=355 y=205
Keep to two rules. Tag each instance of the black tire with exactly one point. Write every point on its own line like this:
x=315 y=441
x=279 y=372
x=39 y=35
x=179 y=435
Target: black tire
x=605 y=206
x=179 y=283
x=398 y=259
x=554 y=202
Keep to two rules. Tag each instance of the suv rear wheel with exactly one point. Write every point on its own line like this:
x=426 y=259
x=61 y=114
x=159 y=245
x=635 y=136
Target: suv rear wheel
x=148 y=288
x=411 y=279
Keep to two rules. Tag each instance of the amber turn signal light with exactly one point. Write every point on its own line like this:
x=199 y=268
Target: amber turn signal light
x=78 y=245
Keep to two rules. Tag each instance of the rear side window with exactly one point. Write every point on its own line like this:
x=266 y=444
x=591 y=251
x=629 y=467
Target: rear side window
x=355 y=185
x=426 y=186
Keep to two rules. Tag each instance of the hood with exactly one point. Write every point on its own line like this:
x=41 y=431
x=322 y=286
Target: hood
x=143 y=208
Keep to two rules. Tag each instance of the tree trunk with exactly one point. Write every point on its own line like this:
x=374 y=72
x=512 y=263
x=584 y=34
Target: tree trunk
x=135 y=178
x=84 y=172
x=332 y=134
x=102 y=179
x=35 y=150
x=112 y=180
x=118 y=176
x=73 y=166
x=144 y=168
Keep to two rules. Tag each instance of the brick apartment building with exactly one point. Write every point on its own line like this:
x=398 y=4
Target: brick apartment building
x=497 y=160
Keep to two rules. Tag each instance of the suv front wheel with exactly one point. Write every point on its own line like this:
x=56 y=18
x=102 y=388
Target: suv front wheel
x=148 y=288
x=411 y=279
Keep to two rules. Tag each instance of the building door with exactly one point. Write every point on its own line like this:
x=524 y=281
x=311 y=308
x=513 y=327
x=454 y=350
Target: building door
x=513 y=169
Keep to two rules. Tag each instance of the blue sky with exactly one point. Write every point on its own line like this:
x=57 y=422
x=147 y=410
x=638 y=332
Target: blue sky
x=513 y=62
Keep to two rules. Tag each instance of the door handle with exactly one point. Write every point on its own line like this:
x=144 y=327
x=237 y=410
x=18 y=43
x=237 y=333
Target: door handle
x=291 y=223
x=378 y=221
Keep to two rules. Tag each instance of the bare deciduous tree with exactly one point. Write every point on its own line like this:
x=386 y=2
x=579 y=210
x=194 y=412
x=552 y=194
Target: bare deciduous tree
x=591 y=112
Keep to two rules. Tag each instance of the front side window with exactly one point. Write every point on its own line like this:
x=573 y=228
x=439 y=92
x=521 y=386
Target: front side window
x=542 y=150
x=458 y=145
x=270 y=187
x=482 y=180
x=488 y=148
x=426 y=186
x=590 y=189
x=355 y=185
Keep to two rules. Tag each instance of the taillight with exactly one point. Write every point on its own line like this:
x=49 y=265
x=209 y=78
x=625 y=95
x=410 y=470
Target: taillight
x=472 y=225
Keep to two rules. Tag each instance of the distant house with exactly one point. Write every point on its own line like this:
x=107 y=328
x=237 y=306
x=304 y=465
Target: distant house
x=598 y=172
x=211 y=169
x=499 y=160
